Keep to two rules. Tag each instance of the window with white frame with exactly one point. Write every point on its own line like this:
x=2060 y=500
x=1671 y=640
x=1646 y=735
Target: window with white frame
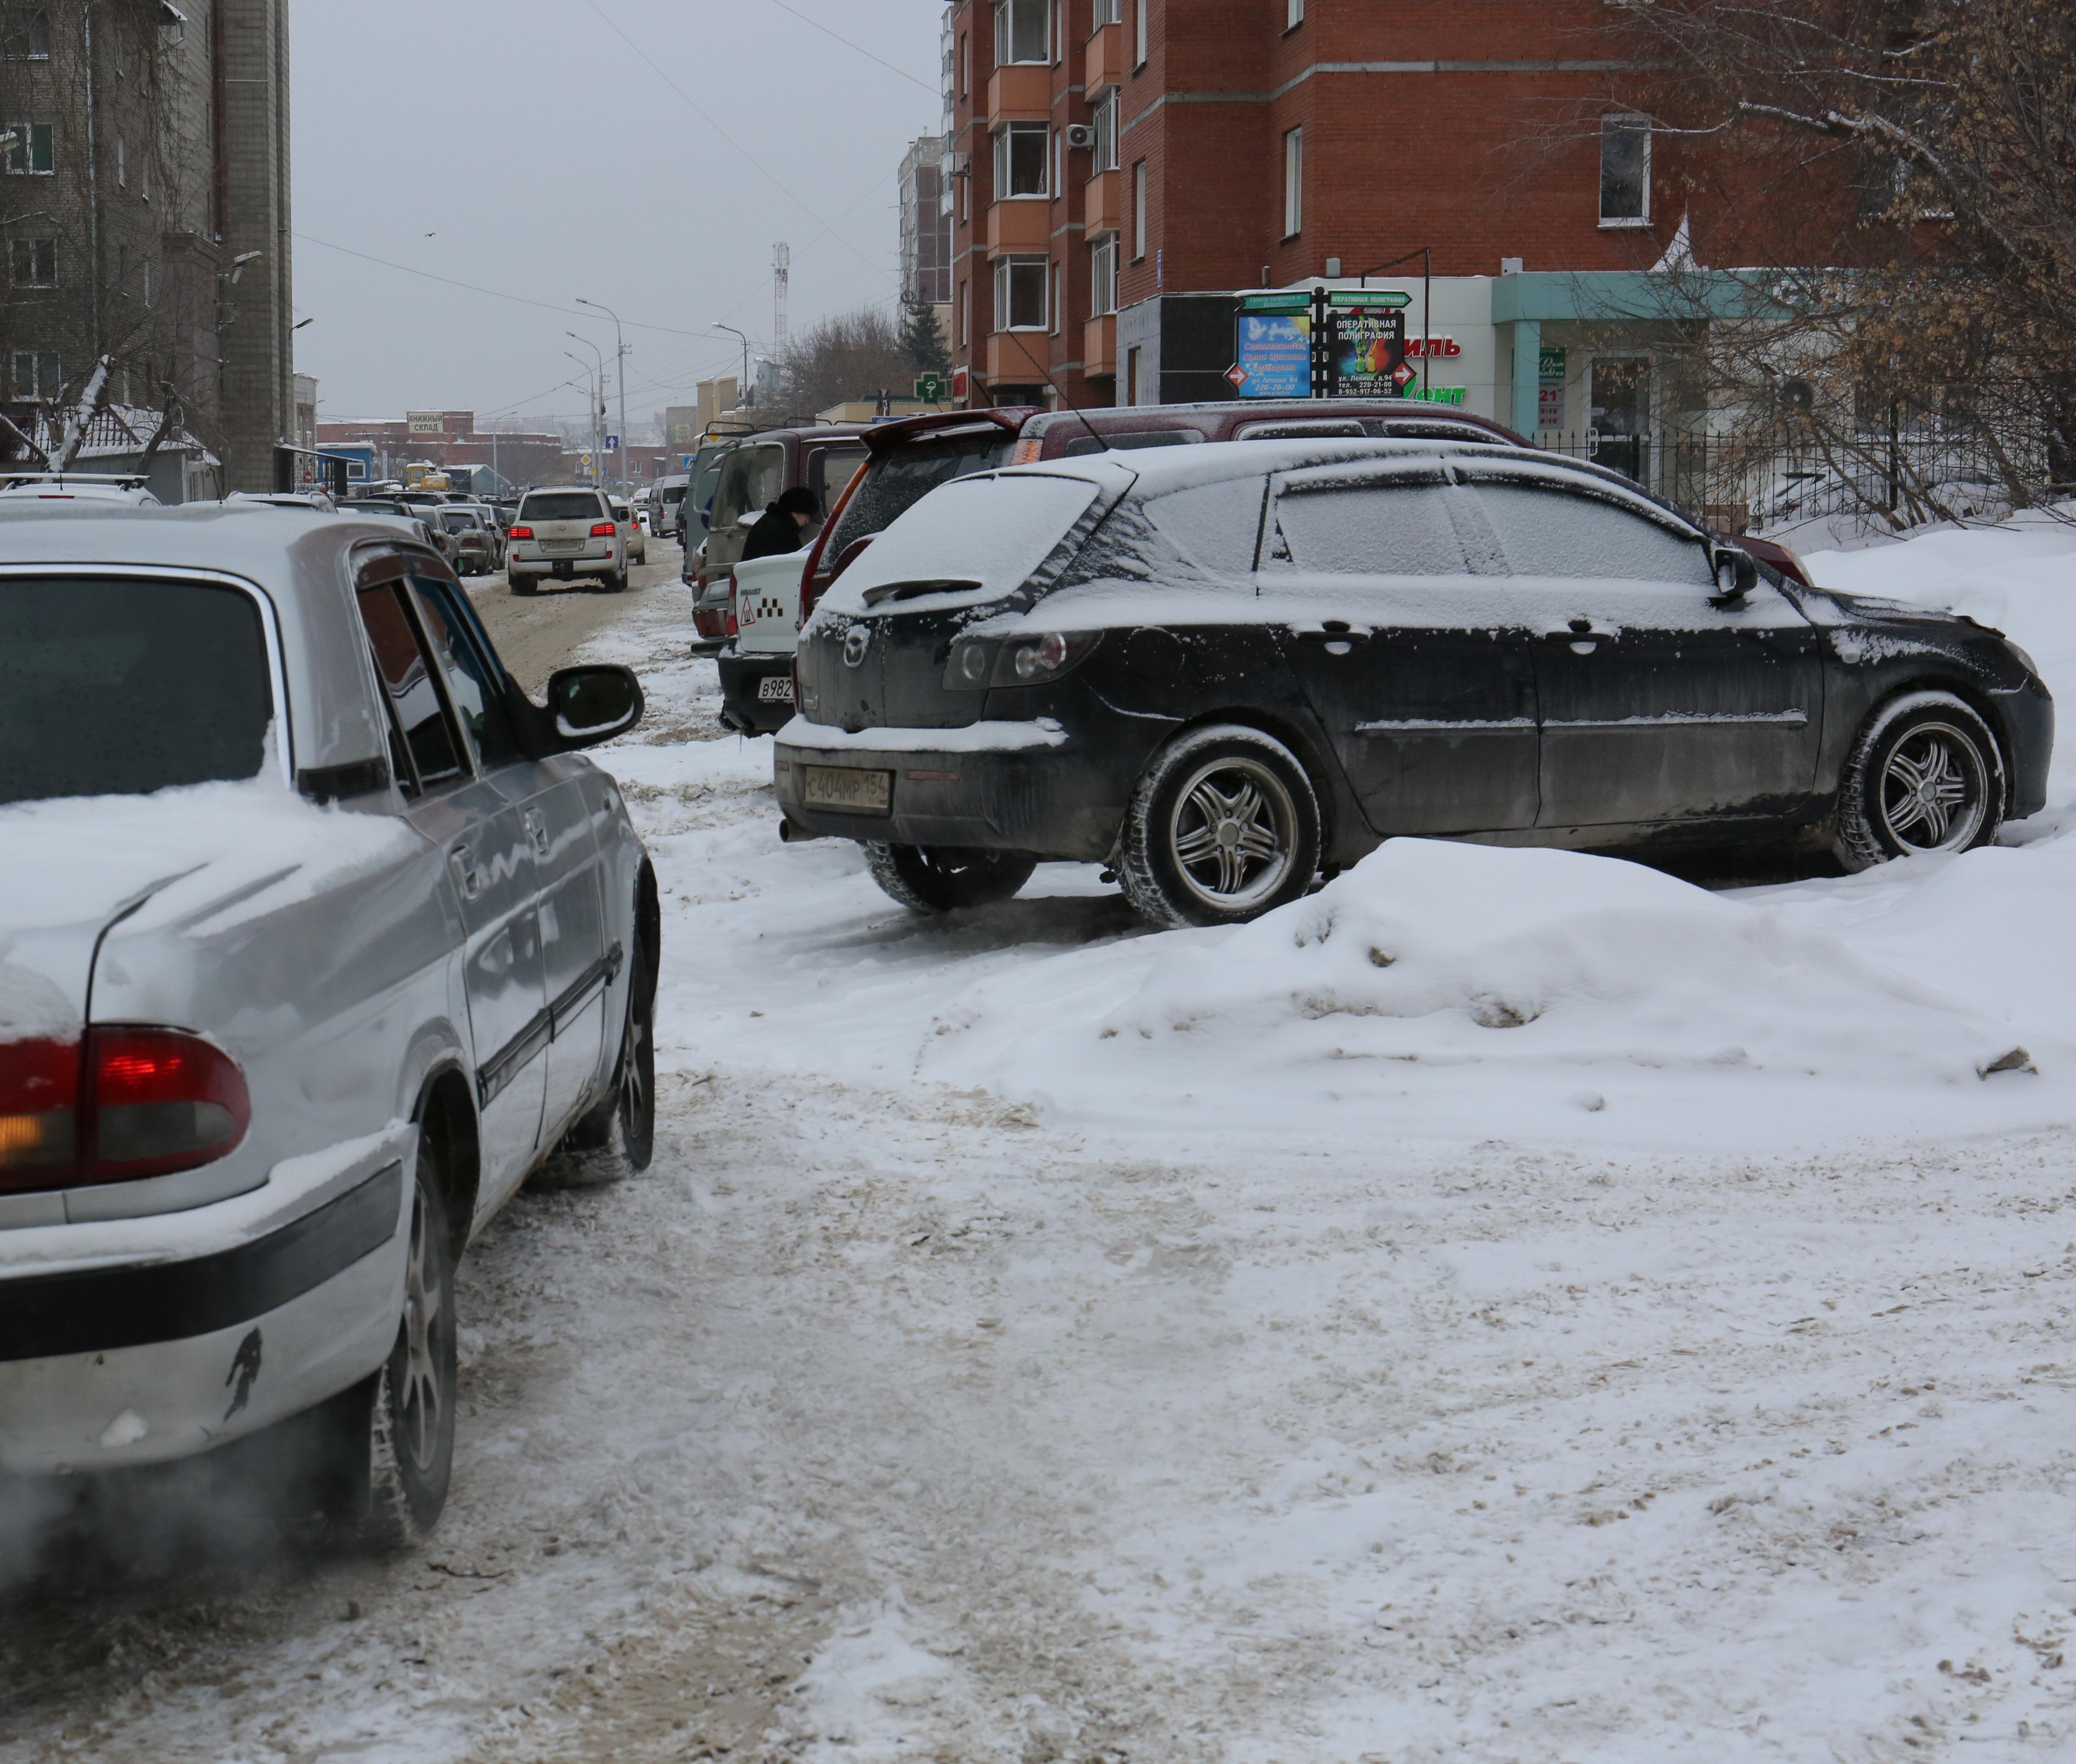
x=1293 y=182
x=1059 y=296
x=33 y=263
x=1019 y=159
x=1105 y=12
x=1104 y=114
x=1138 y=210
x=1023 y=30
x=1020 y=293
x=31 y=147
x=1294 y=13
x=965 y=313
x=1624 y=170
x=34 y=374
x=1103 y=275
x=1139 y=32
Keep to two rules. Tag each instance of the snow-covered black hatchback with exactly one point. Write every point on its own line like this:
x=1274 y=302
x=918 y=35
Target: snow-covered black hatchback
x=1222 y=669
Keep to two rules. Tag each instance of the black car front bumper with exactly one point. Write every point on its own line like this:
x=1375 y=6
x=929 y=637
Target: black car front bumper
x=747 y=703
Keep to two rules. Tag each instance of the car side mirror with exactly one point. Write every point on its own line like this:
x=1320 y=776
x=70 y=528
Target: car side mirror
x=1737 y=574
x=594 y=703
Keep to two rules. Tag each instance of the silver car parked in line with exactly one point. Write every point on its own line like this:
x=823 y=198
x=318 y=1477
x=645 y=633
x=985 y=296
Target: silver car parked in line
x=317 y=936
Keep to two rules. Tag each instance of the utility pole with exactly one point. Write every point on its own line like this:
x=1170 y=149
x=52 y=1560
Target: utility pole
x=781 y=276
x=620 y=373
x=742 y=388
x=597 y=405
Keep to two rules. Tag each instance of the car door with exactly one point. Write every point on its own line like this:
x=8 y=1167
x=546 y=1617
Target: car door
x=1407 y=643
x=558 y=816
x=1658 y=704
x=464 y=806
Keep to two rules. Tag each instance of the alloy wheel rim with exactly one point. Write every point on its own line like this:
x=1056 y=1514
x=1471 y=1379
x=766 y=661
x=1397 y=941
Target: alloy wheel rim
x=1233 y=833
x=633 y=1089
x=1934 y=790
x=423 y=1401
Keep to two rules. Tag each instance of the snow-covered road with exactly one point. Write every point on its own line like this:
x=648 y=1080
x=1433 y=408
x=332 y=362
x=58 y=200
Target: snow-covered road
x=1323 y=1364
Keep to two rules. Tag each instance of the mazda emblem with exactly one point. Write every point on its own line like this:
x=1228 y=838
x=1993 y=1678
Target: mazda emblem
x=856 y=643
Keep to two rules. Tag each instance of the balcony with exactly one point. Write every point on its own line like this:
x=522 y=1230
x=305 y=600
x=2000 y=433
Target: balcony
x=1019 y=92
x=1103 y=63
x=1018 y=358
x=1019 y=224
x=1103 y=208
x=1099 y=345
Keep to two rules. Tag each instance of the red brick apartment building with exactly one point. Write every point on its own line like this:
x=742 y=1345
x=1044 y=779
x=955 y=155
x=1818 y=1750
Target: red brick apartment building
x=1119 y=167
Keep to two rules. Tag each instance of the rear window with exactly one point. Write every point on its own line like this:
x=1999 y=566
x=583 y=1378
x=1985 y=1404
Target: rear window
x=750 y=481
x=896 y=481
x=118 y=688
x=460 y=521
x=560 y=506
x=1125 y=441
x=989 y=534
x=674 y=495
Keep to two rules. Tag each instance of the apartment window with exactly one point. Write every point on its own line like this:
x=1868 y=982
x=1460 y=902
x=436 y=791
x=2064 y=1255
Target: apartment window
x=1059 y=160
x=1138 y=211
x=1019 y=159
x=965 y=308
x=1020 y=293
x=1294 y=13
x=1059 y=296
x=1293 y=182
x=122 y=164
x=1059 y=31
x=1105 y=12
x=965 y=64
x=1104 y=115
x=1103 y=275
x=33 y=263
x=1132 y=375
x=25 y=34
x=1139 y=32
x=1022 y=29
x=35 y=373
x=1624 y=170
x=32 y=148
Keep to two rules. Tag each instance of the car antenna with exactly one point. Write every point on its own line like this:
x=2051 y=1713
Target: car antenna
x=1102 y=447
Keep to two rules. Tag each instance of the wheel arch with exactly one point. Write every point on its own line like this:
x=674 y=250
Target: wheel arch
x=447 y=1119
x=1309 y=749
x=1981 y=703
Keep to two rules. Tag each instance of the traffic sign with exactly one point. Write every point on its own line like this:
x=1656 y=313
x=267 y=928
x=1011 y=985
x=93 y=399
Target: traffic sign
x=1402 y=373
x=1237 y=374
x=612 y=444
x=929 y=388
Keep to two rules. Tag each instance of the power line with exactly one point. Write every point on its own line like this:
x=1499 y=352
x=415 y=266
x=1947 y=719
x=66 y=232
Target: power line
x=860 y=48
x=769 y=175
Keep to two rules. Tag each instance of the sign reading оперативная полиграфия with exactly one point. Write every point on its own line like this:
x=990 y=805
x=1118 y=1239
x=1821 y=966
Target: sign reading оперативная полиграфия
x=1318 y=343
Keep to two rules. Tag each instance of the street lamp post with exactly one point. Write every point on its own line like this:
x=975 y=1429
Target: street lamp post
x=742 y=388
x=620 y=373
x=598 y=408
x=595 y=389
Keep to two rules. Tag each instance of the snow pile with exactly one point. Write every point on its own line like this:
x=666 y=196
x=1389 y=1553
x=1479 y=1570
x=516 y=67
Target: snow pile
x=1453 y=988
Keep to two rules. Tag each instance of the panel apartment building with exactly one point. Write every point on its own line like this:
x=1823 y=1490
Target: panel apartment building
x=145 y=166
x=1119 y=169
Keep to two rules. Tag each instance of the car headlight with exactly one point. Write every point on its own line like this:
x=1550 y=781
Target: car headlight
x=978 y=663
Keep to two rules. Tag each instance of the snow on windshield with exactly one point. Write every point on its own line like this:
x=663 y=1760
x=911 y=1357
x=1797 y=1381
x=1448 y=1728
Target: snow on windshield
x=992 y=531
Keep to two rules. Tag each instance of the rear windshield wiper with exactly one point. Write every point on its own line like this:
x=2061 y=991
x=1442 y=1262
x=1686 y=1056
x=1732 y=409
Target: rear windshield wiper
x=913 y=591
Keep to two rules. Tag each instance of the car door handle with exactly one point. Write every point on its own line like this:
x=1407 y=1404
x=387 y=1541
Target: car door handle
x=536 y=830
x=1331 y=631
x=469 y=877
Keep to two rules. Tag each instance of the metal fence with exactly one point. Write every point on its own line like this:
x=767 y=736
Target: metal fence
x=1750 y=481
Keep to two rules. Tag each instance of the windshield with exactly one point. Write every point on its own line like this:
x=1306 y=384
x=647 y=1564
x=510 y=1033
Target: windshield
x=560 y=506
x=750 y=481
x=898 y=479
x=114 y=687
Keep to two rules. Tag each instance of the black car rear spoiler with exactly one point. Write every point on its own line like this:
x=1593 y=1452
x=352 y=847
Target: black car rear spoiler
x=1009 y=418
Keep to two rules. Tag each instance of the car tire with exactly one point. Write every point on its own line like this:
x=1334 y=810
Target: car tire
x=525 y=584
x=1223 y=826
x=629 y=1109
x=1926 y=774
x=388 y=1455
x=614 y=584
x=944 y=878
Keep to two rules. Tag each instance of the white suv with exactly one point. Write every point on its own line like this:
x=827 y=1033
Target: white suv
x=565 y=533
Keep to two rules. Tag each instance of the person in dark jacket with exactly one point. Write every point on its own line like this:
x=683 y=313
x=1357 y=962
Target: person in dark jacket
x=784 y=525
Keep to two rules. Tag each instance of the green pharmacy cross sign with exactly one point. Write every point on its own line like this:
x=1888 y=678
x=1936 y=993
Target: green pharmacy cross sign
x=929 y=388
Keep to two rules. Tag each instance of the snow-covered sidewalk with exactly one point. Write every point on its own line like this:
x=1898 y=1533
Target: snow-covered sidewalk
x=1510 y=1306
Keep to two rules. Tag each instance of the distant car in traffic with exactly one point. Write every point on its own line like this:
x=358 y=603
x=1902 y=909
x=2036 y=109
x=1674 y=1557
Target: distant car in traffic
x=1218 y=670
x=317 y=936
x=479 y=542
x=632 y=529
x=565 y=534
x=667 y=509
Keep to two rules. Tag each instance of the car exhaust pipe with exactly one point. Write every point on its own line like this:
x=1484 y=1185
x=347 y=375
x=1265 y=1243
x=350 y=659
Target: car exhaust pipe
x=792 y=833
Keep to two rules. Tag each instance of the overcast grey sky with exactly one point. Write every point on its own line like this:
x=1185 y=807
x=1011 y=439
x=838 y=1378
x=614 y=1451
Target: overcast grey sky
x=525 y=146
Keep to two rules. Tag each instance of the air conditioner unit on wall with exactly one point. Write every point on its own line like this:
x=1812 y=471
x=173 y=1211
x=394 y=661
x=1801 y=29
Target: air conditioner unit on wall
x=1082 y=135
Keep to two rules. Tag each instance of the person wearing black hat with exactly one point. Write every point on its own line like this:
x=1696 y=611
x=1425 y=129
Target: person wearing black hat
x=783 y=526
